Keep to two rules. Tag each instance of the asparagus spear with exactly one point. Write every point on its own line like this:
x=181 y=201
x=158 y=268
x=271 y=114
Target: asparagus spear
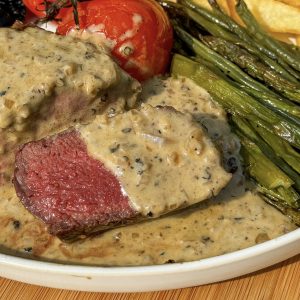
x=206 y=19
x=218 y=17
x=253 y=66
x=267 y=99
x=290 y=196
x=205 y=13
x=277 y=182
x=247 y=130
x=287 y=197
x=227 y=23
x=292 y=48
x=218 y=31
x=267 y=174
x=235 y=101
x=262 y=168
x=276 y=178
x=273 y=194
x=281 y=147
x=256 y=31
x=256 y=94
x=236 y=73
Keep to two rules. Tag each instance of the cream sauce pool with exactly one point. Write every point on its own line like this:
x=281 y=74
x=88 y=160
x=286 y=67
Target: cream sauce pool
x=236 y=219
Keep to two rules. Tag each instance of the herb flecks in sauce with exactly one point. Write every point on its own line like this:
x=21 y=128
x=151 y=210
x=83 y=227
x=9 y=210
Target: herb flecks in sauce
x=49 y=86
x=212 y=228
x=170 y=149
x=142 y=244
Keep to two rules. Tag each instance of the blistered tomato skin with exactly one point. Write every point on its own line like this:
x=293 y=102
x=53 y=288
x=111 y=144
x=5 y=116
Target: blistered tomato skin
x=138 y=32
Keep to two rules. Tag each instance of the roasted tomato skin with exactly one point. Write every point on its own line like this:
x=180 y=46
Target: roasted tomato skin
x=139 y=32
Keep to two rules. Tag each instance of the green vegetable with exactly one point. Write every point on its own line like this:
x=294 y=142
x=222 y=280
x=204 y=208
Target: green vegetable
x=245 y=128
x=270 y=172
x=234 y=100
x=261 y=168
x=214 y=26
x=254 y=66
x=205 y=13
x=293 y=214
x=281 y=148
x=269 y=176
x=259 y=34
x=232 y=63
x=223 y=20
x=236 y=73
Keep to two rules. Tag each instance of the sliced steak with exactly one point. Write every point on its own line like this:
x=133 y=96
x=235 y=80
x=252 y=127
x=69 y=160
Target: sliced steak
x=139 y=164
x=50 y=82
x=73 y=193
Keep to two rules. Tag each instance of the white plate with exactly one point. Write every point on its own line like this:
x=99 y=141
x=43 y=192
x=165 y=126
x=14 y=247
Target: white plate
x=151 y=278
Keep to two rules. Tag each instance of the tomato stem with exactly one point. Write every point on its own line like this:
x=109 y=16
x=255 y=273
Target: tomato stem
x=52 y=9
x=75 y=13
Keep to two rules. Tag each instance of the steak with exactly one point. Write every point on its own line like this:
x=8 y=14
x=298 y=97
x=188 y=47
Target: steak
x=118 y=170
x=47 y=87
x=73 y=193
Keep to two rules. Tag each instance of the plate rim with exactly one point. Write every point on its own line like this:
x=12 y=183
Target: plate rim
x=61 y=268
x=202 y=264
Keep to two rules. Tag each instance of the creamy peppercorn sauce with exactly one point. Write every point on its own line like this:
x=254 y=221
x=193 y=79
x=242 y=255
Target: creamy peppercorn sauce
x=26 y=57
x=162 y=158
x=233 y=220
x=49 y=82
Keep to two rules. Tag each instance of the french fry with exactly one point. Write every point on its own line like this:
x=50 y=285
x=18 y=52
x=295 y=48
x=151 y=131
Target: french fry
x=203 y=3
x=282 y=21
x=276 y=16
x=223 y=4
x=285 y=37
x=295 y=3
x=273 y=15
x=234 y=15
